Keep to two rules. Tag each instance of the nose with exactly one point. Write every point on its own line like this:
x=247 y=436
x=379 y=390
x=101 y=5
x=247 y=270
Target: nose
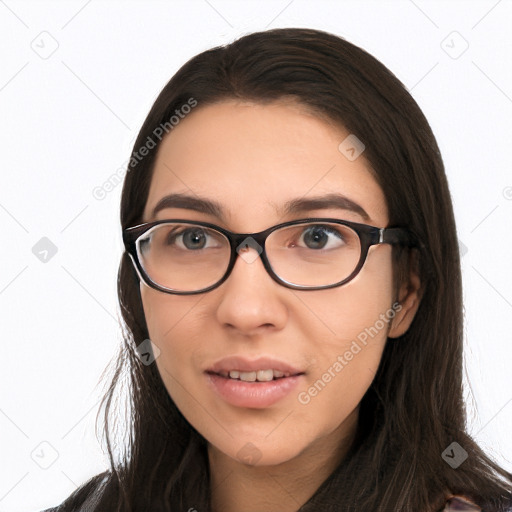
x=250 y=300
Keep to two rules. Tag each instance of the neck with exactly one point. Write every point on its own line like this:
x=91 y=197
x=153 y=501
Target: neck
x=283 y=487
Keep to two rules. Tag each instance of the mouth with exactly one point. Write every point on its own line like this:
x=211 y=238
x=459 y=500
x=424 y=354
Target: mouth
x=255 y=376
x=252 y=384
x=263 y=369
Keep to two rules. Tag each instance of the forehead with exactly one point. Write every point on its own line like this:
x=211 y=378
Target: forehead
x=252 y=159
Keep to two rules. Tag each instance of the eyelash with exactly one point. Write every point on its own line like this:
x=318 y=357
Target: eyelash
x=173 y=235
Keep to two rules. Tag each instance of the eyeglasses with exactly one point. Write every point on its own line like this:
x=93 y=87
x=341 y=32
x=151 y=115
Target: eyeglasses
x=188 y=257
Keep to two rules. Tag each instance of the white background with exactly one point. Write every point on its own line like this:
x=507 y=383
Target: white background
x=68 y=122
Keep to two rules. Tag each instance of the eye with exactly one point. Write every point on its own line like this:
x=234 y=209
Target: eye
x=322 y=237
x=193 y=239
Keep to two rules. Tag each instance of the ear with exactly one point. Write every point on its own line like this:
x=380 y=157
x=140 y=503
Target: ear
x=409 y=298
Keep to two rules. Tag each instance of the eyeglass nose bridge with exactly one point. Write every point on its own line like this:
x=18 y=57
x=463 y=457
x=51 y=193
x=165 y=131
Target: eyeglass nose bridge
x=241 y=243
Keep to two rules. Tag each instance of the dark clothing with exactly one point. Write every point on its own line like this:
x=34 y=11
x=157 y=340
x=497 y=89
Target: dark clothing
x=91 y=497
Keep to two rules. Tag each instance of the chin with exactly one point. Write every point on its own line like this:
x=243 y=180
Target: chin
x=256 y=454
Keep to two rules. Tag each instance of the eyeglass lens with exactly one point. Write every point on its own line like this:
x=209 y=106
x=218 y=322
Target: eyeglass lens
x=187 y=257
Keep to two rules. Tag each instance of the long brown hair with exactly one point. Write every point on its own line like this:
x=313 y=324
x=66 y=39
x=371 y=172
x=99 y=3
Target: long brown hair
x=414 y=408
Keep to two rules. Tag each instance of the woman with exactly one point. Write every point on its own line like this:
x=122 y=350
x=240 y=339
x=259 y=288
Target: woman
x=291 y=290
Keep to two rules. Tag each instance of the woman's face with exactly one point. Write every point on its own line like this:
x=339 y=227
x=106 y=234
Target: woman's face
x=252 y=160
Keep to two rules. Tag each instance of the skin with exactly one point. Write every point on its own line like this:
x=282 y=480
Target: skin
x=252 y=158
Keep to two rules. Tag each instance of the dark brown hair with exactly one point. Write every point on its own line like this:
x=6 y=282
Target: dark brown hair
x=414 y=408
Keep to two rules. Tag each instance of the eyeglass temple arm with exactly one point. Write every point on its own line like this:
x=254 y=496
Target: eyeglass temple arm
x=398 y=236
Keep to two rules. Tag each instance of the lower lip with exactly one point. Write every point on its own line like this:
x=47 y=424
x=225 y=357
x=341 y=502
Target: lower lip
x=257 y=395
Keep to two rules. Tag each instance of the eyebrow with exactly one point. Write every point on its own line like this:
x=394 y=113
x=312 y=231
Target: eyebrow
x=189 y=203
x=332 y=200
x=294 y=206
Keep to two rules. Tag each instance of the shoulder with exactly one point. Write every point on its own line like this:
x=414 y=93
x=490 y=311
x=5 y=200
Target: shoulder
x=460 y=504
x=87 y=496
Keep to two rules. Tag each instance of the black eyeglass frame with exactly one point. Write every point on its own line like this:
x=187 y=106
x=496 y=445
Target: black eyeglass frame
x=368 y=236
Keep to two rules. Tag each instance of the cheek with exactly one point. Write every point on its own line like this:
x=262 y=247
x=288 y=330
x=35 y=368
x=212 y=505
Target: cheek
x=341 y=371
x=165 y=312
x=171 y=322
x=337 y=316
x=347 y=332
x=174 y=325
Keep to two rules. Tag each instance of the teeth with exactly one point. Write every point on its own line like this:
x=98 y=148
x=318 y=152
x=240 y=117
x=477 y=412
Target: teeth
x=265 y=375
x=260 y=375
x=248 y=376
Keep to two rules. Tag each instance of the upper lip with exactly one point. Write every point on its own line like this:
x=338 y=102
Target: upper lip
x=242 y=364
